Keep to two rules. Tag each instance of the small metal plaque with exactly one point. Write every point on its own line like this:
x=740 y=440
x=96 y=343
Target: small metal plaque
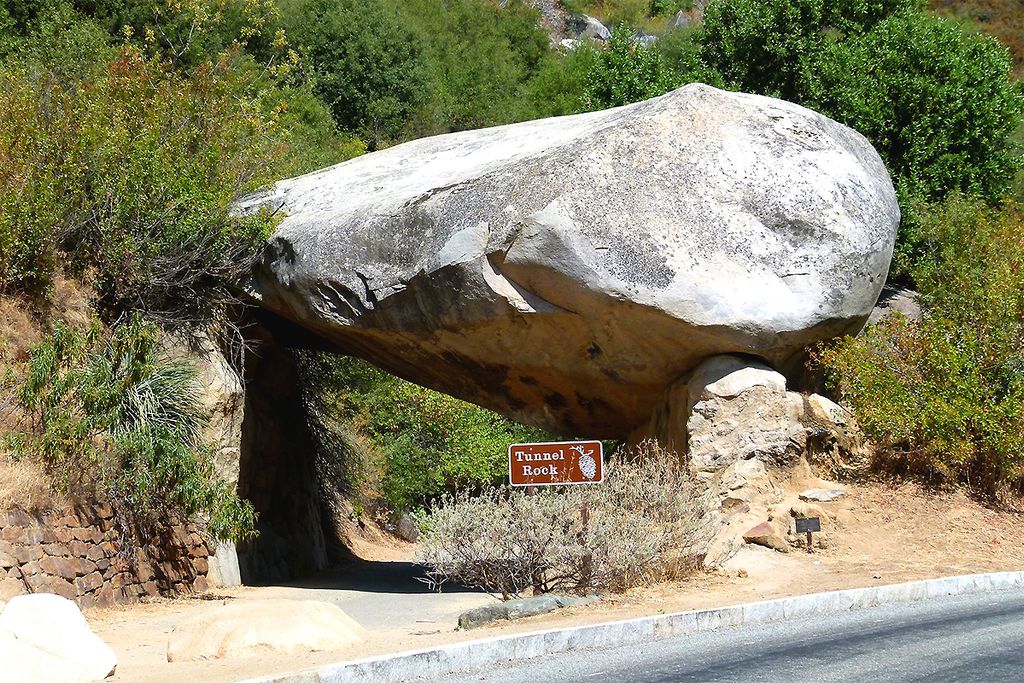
x=805 y=524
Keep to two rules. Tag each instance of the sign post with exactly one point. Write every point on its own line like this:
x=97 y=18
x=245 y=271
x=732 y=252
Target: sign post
x=808 y=525
x=559 y=463
x=587 y=565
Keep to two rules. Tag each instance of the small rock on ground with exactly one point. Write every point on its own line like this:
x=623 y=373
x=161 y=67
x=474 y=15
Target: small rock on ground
x=821 y=495
x=517 y=609
x=770 y=534
x=407 y=528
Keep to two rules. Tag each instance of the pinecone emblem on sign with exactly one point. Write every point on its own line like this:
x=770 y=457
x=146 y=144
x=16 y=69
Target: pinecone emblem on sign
x=586 y=462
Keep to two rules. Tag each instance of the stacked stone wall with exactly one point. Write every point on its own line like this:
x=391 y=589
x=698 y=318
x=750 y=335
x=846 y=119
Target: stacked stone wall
x=84 y=554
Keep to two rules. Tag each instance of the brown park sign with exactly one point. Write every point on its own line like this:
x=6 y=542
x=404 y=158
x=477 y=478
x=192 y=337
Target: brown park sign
x=553 y=464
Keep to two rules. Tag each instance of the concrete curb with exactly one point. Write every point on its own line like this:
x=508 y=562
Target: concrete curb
x=477 y=654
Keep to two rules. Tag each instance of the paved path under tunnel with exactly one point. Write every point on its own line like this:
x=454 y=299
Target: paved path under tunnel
x=385 y=595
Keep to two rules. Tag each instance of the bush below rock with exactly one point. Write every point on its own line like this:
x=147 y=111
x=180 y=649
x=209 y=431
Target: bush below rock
x=649 y=520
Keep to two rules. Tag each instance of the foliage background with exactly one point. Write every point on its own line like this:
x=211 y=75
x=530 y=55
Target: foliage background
x=131 y=126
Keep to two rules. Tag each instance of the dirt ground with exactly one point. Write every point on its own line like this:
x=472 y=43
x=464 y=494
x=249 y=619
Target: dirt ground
x=885 y=534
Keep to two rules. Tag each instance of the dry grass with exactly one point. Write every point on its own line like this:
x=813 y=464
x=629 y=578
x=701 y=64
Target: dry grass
x=18 y=332
x=71 y=302
x=647 y=522
x=25 y=485
x=22 y=324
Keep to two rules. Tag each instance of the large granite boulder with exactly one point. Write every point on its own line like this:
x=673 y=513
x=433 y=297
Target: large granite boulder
x=44 y=637
x=566 y=271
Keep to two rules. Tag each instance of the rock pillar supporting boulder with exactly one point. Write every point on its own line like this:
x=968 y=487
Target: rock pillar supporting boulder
x=741 y=431
x=278 y=470
x=738 y=409
x=729 y=408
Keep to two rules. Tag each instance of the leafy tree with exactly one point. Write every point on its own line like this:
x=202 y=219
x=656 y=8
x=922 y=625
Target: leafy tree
x=478 y=56
x=424 y=443
x=681 y=51
x=132 y=177
x=559 y=88
x=366 y=65
x=308 y=131
x=668 y=7
x=762 y=46
x=187 y=33
x=853 y=17
x=120 y=160
x=937 y=102
x=999 y=18
x=626 y=72
x=765 y=47
x=24 y=17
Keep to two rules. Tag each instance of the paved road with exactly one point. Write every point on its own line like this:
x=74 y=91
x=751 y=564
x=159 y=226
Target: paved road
x=972 y=638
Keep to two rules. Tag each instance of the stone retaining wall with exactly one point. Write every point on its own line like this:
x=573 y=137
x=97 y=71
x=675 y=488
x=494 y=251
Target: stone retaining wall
x=83 y=554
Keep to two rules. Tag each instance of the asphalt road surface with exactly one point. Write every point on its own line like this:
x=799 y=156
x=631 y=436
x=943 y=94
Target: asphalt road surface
x=970 y=638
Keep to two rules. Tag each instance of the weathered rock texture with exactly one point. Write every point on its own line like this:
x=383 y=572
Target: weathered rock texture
x=566 y=271
x=262 y=627
x=82 y=555
x=520 y=609
x=46 y=638
x=223 y=398
x=278 y=469
x=582 y=26
x=739 y=409
x=744 y=433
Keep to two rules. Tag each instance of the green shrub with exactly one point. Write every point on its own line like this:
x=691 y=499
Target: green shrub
x=764 y=47
x=934 y=98
x=129 y=180
x=626 y=72
x=115 y=417
x=366 y=65
x=937 y=102
x=425 y=442
x=612 y=12
x=681 y=51
x=559 y=87
x=343 y=464
x=308 y=132
x=478 y=56
x=648 y=521
x=668 y=7
x=999 y=18
x=944 y=397
x=187 y=33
